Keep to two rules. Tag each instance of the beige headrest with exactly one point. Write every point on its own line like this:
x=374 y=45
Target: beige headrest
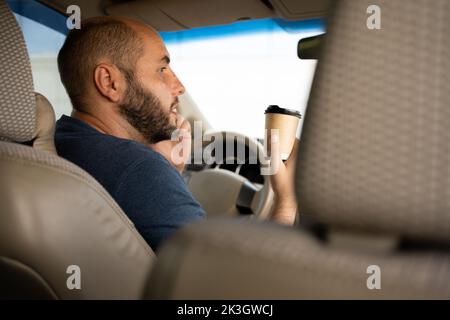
x=17 y=106
x=375 y=153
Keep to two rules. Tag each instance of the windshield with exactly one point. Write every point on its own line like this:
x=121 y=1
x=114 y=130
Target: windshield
x=234 y=72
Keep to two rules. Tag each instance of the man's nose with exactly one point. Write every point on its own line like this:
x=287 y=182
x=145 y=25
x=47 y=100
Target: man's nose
x=178 y=87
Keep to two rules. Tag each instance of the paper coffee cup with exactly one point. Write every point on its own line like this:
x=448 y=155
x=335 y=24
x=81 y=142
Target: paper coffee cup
x=286 y=121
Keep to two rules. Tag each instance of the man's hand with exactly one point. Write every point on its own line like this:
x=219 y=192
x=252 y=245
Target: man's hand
x=177 y=150
x=285 y=204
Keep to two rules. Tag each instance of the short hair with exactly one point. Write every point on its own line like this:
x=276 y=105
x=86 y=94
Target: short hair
x=101 y=37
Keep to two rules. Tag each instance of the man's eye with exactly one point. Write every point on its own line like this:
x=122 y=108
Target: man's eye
x=162 y=69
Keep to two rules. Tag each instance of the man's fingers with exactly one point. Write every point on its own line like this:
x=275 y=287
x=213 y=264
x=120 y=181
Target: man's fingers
x=186 y=125
x=181 y=122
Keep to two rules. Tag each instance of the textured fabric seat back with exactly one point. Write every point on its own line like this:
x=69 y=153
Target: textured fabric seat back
x=18 y=105
x=61 y=235
x=375 y=153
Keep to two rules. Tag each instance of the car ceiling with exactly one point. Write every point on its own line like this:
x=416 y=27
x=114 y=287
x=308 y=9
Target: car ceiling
x=173 y=15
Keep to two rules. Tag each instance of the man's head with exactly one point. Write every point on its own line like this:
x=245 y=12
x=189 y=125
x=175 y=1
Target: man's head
x=121 y=66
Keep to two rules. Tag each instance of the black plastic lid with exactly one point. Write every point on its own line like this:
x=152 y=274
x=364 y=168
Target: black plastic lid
x=277 y=109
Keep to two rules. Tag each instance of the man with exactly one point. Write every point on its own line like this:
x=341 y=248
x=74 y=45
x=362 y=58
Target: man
x=125 y=96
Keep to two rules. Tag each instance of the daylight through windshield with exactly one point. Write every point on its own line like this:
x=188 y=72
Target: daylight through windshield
x=242 y=68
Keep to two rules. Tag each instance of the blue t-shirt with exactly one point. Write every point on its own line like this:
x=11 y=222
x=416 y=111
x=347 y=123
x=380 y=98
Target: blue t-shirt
x=145 y=185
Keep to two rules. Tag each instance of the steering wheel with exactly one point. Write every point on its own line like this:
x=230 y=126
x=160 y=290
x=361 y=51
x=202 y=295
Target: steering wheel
x=230 y=185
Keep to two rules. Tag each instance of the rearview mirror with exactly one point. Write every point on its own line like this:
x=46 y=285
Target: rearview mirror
x=309 y=48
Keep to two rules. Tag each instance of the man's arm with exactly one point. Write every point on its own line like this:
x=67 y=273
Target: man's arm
x=285 y=202
x=284 y=210
x=155 y=197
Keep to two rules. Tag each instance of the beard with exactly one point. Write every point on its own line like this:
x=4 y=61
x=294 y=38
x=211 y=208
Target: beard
x=145 y=112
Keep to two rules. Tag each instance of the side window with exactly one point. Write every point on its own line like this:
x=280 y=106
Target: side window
x=43 y=44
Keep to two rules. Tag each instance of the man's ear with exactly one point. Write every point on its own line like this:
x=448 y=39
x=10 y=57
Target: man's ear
x=109 y=82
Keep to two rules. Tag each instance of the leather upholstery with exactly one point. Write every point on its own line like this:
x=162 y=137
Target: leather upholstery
x=53 y=214
x=227 y=259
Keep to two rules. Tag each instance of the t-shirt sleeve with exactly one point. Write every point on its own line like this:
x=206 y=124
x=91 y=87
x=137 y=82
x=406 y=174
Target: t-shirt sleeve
x=156 y=198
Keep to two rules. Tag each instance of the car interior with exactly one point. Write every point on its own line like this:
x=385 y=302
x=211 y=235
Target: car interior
x=372 y=173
